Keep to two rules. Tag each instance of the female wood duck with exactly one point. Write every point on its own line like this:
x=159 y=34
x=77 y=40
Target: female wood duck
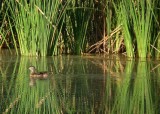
x=37 y=75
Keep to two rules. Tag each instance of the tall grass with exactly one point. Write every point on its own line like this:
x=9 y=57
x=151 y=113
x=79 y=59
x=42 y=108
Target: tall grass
x=127 y=27
x=79 y=16
x=41 y=28
x=6 y=31
x=155 y=30
x=138 y=24
x=36 y=25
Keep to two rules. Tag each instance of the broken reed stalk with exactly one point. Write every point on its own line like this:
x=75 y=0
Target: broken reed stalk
x=105 y=39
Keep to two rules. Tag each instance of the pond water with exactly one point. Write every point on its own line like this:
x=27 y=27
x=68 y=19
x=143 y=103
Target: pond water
x=80 y=84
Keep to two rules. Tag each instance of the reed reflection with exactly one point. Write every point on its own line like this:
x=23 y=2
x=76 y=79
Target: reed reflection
x=88 y=84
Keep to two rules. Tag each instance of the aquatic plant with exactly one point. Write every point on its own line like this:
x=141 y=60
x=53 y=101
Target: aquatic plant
x=137 y=18
x=41 y=28
x=127 y=27
x=77 y=22
x=35 y=24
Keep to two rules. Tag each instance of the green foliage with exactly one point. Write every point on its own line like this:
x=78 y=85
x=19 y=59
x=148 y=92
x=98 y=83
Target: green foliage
x=142 y=20
x=36 y=25
x=137 y=22
x=127 y=27
x=41 y=28
x=79 y=14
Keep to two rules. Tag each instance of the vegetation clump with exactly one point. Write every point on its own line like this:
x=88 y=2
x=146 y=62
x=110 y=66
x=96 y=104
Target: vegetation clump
x=46 y=28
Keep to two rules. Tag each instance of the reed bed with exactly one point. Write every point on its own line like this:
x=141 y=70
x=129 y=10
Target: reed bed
x=35 y=24
x=42 y=28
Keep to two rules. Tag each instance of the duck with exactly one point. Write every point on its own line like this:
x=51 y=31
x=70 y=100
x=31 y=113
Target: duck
x=37 y=75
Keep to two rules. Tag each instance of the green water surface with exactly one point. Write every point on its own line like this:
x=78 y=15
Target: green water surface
x=80 y=85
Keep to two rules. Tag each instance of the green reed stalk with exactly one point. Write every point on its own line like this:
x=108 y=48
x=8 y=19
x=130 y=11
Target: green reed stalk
x=110 y=23
x=126 y=30
x=155 y=29
x=79 y=19
x=140 y=12
x=157 y=53
x=142 y=27
x=6 y=29
x=36 y=25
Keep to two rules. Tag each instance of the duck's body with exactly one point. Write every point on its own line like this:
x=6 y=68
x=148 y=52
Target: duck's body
x=37 y=75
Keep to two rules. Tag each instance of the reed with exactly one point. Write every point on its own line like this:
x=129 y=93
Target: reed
x=79 y=15
x=6 y=31
x=36 y=25
x=127 y=27
x=140 y=16
x=41 y=28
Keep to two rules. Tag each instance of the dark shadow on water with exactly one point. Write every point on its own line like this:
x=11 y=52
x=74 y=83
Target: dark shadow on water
x=80 y=84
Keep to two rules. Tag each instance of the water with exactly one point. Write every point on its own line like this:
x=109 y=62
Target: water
x=80 y=84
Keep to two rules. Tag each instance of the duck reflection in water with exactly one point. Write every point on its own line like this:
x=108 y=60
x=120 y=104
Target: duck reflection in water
x=36 y=75
x=32 y=82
